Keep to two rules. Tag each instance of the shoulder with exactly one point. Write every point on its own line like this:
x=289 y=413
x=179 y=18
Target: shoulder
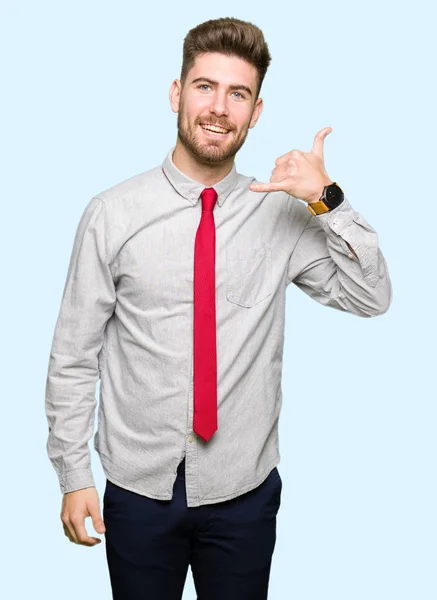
x=132 y=188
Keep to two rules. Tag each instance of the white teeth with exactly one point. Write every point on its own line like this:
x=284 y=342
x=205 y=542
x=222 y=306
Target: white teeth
x=214 y=129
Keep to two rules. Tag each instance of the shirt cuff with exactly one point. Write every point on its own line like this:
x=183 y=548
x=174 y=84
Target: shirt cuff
x=351 y=227
x=76 y=480
x=338 y=219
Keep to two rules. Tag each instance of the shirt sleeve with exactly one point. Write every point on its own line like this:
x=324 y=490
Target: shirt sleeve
x=324 y=267
x=88 y=302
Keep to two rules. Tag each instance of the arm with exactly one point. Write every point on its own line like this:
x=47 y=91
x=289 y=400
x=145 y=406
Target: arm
x=337 y=261
x=87 y=303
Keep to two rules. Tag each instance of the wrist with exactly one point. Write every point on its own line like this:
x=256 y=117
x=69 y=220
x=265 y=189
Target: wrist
x=316 y=197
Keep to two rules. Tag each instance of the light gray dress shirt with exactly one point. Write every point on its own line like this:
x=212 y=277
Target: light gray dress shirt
x=126 y=316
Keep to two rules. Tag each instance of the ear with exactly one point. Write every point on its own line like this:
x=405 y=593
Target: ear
x=259 y=105
x=175 y=95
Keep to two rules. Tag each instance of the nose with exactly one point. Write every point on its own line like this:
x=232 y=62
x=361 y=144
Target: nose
x=219 y=104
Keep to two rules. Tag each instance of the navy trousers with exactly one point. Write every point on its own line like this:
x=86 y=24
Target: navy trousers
x=229 y=545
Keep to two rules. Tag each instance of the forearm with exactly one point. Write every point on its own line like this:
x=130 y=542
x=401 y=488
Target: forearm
x=338 y=262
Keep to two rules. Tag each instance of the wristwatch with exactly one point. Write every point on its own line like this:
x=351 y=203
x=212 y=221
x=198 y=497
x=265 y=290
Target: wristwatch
x=331 y=197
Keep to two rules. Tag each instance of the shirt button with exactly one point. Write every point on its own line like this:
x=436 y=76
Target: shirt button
x=350 y=255
x=190 y=438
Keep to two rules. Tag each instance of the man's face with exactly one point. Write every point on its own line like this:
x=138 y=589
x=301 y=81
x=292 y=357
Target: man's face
x=202 y=102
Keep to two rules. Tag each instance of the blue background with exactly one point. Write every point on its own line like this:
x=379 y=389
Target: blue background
x=84 y=105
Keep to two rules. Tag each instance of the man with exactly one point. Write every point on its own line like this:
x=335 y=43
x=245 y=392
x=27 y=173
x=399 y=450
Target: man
x=175 y=297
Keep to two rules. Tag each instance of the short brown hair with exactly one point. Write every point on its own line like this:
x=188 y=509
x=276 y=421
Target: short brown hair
x=230 y=36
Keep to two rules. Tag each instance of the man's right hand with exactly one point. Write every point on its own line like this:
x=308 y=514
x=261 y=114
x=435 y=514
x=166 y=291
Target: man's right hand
x=76 y=506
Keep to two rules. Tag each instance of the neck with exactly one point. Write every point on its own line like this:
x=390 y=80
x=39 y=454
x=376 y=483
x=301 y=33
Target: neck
x=207 y=175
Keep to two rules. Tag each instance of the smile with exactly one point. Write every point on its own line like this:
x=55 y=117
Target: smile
x=213 y=132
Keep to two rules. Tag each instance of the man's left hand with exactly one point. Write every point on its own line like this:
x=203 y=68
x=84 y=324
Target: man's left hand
x=300 y=174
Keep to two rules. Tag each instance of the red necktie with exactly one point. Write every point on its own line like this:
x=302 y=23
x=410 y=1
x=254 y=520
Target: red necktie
x=204 y=340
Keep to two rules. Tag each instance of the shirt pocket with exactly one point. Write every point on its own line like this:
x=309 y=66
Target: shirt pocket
x=248 y=274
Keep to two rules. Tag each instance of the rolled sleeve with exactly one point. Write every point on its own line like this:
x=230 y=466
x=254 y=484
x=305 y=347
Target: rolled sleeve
x=323 y=266
x=88 y=302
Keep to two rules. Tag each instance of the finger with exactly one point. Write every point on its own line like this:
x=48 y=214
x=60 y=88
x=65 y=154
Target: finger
x=67 y=533
x=288 y=168
x=81 y=533
x=319 y=140
x=94 y=512
x=97 y=520
x=266 y=187
x=283 y=159
x=290 y=156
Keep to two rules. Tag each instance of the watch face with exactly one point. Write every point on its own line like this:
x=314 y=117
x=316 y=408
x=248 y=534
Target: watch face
x=334 y=196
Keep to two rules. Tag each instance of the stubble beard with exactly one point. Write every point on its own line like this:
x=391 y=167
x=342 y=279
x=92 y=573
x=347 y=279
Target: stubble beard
x=209 y=151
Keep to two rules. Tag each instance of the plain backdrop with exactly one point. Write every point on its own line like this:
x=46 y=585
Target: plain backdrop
x=84 y=105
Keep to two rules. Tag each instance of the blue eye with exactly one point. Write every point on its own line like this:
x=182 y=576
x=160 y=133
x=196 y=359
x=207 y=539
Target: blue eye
x=202 y=85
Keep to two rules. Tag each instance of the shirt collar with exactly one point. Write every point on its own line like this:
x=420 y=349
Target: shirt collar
x=191 y=189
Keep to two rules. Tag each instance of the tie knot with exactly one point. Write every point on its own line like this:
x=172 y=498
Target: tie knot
x=209 y=197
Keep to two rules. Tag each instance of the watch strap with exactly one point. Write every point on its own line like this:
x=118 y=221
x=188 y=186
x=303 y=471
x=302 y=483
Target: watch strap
x=318 y=208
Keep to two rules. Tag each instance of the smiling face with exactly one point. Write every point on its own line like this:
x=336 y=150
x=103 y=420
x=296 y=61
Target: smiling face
x=219 y=90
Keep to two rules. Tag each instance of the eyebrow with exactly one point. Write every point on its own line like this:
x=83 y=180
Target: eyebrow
x=233 y=86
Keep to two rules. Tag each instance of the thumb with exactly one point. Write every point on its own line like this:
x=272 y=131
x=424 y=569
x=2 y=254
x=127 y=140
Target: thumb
x=318 y=141
x=97 y=520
